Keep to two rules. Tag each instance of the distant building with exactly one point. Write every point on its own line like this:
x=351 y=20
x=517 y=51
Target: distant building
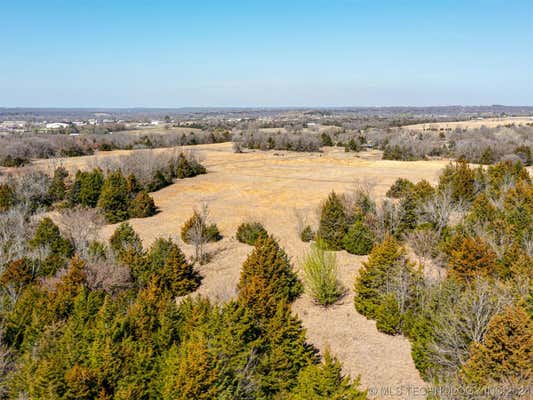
x=56 y=125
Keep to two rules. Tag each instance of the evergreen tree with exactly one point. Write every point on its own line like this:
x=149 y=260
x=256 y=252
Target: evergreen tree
x=47 y=235
x=460 y=179
x=325 y=381
x=386 y=270
x=359 y=239
x=86 y=188
x=333 y=225
x=267 y=278
x=190 y=372
x=57 y=190
x=176 y=275
x=142 y=206
x=285 y=352
x=125 y=238
x=114 y=198
x=506 y=353
x=326 y=139
x=7 y=197
x=473 y=258
x=400 y=188
x=388 y=315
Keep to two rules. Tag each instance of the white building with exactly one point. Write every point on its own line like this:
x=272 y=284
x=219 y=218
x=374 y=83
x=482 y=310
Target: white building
x=56 y=125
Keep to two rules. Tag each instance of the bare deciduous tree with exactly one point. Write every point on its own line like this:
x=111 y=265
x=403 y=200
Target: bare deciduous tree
x=81 y=226
x=463 y=319
x=198 y=235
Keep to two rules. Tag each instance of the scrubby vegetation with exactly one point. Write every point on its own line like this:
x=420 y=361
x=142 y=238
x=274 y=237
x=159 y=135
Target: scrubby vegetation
x=481 y=146
x=17 y=150
x=464 y=304
x=321 y=275
x=250 y=232
x=119 y=187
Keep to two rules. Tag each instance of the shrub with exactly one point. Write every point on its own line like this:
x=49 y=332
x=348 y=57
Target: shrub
x=187 y=167
x=525 y=154
x=125 y=238
x=326 y=139
x=388 y=316
x=209 y=232
x=7 y=197
x=400 y=188
x=10 y=161
x=307 y=234
x=400 y=153
x=333 y=225
x=142 y=206
x=359 y=239
x=249 y=232
x=114 y=198
x=352 y=145
x=321 y=275
x=159 y=181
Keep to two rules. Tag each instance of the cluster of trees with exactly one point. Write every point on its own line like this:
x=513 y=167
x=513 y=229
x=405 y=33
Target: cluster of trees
x=344 y=223
x=256 y=139
x=472 y=323
x=467 y=303
x=18 y=149
x=118 y=195
x=480 y=146
x=84 y=319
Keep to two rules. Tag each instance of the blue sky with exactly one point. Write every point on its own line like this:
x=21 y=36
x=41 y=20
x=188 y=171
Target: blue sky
x=163 y=53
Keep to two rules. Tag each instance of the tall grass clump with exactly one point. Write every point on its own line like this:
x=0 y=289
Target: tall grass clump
x=321 y=275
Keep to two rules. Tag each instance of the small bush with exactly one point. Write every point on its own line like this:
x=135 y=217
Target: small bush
x=7 y=197
x=400 y=188
x=388 y=316
x=209 y=232
x=307 y=234
x=10 y=161
x=358 y=240
x=249 y=232
x=142 y=206
x=320 y=272
x=326 y=139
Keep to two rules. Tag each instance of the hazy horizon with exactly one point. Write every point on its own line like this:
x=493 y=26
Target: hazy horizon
x=318 y=54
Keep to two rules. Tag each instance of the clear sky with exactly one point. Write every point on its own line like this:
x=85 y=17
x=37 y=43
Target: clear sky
x=163 y=53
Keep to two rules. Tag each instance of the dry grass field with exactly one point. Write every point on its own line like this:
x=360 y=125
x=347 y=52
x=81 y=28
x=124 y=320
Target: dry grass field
x=472 y=124
x=269 y=187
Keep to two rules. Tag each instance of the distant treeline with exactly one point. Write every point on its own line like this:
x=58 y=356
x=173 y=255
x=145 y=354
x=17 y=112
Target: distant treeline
x=18 y=149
